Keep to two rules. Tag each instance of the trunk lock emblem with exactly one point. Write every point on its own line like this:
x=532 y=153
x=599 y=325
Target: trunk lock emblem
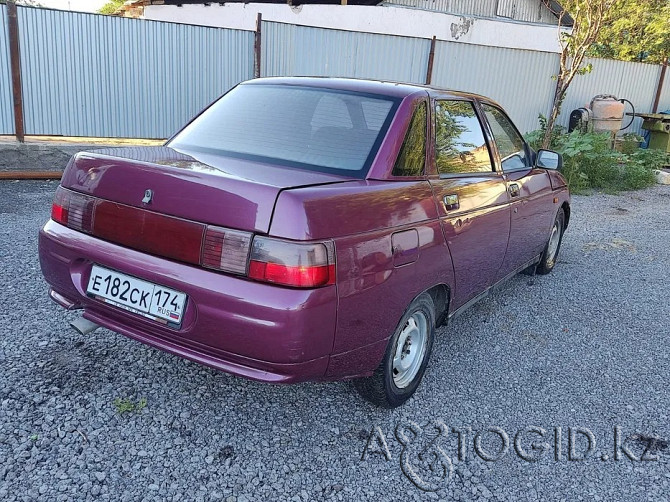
x=148 y=195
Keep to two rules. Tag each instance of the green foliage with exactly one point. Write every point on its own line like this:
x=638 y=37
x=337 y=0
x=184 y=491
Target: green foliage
x=589 y=17
x=455 y=151
x=630 y=143
x=639 y=31
x=125 y=405
x=586 y=69
x=589 y=162
x=111 y=7
x=535 y=138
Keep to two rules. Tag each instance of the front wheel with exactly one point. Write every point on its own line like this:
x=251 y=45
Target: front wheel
x=550 y=254
x=405 y=359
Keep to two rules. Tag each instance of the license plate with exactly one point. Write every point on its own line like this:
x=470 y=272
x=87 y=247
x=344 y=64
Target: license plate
x=135 y=295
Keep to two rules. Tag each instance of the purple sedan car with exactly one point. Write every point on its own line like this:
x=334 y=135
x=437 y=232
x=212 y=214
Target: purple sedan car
x=306 y=229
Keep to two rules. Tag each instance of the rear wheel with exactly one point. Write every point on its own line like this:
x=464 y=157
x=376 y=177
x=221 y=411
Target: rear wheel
x=550 y=254
x=405 y=359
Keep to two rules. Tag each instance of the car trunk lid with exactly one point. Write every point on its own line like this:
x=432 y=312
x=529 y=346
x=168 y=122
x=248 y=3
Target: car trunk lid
x=210 y=189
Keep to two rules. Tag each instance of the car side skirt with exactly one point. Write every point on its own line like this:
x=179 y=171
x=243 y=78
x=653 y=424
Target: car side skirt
x=493 y=287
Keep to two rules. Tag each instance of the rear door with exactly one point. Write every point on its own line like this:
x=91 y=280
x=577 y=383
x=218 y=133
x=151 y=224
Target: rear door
x=529 y=190
x=471 y=197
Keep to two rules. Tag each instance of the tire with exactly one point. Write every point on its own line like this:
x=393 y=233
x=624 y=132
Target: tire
x=550 y=253
x=401 y=370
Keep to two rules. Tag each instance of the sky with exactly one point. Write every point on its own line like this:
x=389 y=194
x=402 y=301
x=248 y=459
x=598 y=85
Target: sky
x=79 y=5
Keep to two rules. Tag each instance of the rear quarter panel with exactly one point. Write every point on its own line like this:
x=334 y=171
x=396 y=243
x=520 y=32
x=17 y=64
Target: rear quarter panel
x=373 y=289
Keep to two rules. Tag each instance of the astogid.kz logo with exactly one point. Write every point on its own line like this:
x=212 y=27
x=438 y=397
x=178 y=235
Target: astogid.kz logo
x=425 y=462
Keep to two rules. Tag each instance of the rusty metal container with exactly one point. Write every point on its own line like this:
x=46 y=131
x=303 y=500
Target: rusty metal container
x=607 y=113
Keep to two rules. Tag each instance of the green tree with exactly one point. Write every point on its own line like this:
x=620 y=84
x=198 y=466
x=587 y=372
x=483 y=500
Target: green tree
x=640 y=32
x=589 y=17
x=111 y=7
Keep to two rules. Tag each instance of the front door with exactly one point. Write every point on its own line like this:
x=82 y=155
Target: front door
x=471 y=198
x=529 y=189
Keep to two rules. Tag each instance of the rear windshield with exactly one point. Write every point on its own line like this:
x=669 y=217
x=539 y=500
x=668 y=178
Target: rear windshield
x=304 y=127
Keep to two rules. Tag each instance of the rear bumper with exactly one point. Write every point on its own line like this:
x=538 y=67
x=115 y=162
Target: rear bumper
x=242 y=327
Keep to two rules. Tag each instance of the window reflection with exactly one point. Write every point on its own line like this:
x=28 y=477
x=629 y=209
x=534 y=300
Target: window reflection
x=510 y=145
x=460 y=146
x=412 y=156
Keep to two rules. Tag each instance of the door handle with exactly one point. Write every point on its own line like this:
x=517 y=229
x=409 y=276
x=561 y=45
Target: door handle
x=451 y=202
x=514 y=189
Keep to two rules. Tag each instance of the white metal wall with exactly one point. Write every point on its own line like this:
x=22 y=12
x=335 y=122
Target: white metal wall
x=94 y=75
x=291 y=50
x=633 y=81
x=6 y=103
x=519 y=80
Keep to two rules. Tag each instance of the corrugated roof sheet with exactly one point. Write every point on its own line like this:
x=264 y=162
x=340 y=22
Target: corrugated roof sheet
x=531 y=11
x=459 y=7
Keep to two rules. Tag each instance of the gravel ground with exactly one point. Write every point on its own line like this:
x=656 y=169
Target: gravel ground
x=586 y=346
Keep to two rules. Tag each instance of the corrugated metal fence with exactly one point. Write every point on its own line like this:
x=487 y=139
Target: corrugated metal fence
x=519 y=80
x=665 y=94
x=6 y=103
x=93 y=75
x=634 y=81
x=291 y=50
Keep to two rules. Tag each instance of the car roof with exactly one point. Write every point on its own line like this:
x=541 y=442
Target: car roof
x=386 y=88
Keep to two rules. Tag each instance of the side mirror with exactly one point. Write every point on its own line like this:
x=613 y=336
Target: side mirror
x=548 y=159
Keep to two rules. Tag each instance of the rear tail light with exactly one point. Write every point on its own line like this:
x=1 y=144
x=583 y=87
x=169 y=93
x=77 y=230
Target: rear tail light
x=226 y=250
x=265 y=259
x=300 y=265
x=60 y=206
x=73 y=209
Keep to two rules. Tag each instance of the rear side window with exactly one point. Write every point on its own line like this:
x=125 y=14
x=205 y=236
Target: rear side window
x=510 y=144
x=309 y=128
x=412 y=157
x=460 y=146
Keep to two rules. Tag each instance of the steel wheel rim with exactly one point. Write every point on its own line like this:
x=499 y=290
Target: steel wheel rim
x=410 y=350
x=552 y=248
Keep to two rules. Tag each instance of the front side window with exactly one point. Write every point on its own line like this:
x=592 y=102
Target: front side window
x=460 y=146
x=412 y=157
x=510 y=144
x=310 y=128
